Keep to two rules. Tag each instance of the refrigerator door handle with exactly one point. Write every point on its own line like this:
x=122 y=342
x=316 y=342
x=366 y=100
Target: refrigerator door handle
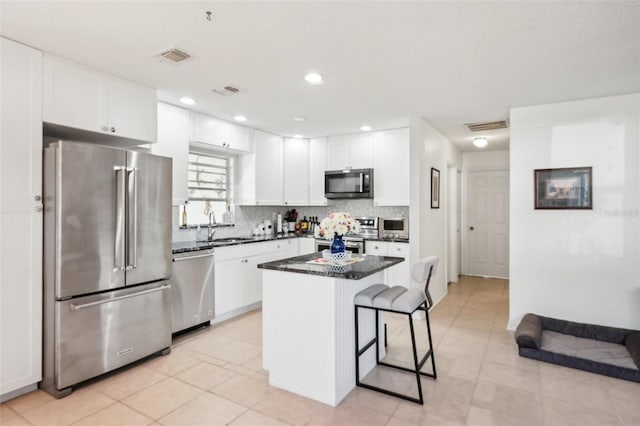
x=119 y=246
x=132 y=216
x=114 y=299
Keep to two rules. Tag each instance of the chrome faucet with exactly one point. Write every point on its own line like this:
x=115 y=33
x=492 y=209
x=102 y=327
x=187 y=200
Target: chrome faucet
x=211 y=230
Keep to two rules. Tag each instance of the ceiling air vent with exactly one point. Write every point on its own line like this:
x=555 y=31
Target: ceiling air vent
x=174 y=55
x=487 y=125
x=228 y=90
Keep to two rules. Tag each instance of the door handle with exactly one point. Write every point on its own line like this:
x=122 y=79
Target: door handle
x=471 y=228
x=119 y=245
x=115 y=299
x=132 y=218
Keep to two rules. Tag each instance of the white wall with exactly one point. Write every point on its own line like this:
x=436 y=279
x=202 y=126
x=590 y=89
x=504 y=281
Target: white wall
x=579 y=265
x=429 y=226
x=485 y=160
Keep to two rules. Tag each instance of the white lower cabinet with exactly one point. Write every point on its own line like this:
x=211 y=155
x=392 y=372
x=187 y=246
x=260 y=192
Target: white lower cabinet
x=20 y=219
x=398 y=274
x=238 y=281
x=307 y=246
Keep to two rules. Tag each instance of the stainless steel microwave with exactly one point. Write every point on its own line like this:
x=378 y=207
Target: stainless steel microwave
x=348 y=183
x=393 y=227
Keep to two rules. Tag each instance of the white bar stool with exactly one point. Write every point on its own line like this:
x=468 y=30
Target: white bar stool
x=399 y=300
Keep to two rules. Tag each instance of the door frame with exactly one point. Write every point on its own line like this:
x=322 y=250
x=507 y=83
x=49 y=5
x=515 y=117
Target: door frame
x=454 y=223
x=465 y=211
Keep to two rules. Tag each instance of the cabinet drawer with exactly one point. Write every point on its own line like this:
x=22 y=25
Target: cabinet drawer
x=398 y=249
x=376 y=248
x=103 y=332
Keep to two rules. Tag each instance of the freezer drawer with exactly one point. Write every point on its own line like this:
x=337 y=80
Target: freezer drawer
x=99 y=333
x=192 y=288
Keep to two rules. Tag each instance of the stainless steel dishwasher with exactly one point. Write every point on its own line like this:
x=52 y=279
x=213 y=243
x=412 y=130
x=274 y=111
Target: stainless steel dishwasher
x=192 y=289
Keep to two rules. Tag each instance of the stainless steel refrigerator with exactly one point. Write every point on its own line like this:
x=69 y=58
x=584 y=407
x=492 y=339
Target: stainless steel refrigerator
x=107 y=258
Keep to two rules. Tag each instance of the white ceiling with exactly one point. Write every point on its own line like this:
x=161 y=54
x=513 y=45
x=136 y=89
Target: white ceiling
x=450 y=62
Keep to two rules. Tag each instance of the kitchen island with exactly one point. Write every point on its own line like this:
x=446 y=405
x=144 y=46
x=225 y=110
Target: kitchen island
x=308 y=323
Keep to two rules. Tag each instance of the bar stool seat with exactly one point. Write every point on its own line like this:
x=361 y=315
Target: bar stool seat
x=399 y=300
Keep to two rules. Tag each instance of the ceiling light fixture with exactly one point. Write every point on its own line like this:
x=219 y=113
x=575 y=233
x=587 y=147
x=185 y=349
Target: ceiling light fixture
x=297 y=136
x=365 y=128
x=241 y=118
x=480 y=142
x=299 y=118
x=313 y=78
x=187 y=101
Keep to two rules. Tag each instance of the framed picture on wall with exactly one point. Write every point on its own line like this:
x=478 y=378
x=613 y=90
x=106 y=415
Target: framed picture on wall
x=567 y=188
x=435 y=188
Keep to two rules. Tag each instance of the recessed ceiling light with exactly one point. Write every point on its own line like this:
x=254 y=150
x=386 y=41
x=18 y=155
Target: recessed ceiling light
x=187 y=101
x=297 y=136
x=313 y=78
x=480 y=142
x=240 y=118
x=299 y=118
x=365 y=128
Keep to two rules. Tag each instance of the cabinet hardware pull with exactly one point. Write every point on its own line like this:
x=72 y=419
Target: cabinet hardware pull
x=115 y=299
x=113 y=130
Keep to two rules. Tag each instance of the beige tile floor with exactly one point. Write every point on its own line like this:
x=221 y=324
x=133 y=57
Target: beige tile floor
x=214 y=377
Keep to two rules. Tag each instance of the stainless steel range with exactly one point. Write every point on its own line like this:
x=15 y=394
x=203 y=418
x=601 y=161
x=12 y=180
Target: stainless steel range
x=355 y=242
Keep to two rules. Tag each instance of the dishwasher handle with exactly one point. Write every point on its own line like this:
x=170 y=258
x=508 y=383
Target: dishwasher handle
x=197 y=256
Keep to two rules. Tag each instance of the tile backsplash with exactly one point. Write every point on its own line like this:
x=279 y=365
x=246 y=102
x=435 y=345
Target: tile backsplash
x=247 y=217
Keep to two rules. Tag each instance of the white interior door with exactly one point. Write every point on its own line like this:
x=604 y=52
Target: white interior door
x=488 y=223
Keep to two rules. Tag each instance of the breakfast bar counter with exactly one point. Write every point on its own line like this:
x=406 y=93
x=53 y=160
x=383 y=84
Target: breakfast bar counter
x=308 y=323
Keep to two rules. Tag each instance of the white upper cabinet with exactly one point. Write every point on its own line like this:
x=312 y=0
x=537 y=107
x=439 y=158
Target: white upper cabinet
x=82 y=98
x=220 y=133
x=317 y=166
x=391 y=167
x=173 y=141
x=296 y=172
x=350 y=151
x=260 y=174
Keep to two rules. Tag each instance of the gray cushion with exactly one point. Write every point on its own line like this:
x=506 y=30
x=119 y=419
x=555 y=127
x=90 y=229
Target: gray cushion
x=408 y=301
x=632 y=342
x=590 y=349
x=385 y=299
x=529 y=332
x=365 y=297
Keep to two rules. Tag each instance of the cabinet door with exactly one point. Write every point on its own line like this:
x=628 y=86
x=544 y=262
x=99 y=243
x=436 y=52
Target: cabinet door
x=233 y=285
x=391 y=167
x=317 y=166
x=350 y=151
x=296 y=172
x=173 y=141
x=20 y=216
x=74 y=96
x=268 y=169
x=239 y=138
x=361 y=151
x=306 y=246
x=399 y=274
x=338 y=152
x=209 y=130
x=132 y=110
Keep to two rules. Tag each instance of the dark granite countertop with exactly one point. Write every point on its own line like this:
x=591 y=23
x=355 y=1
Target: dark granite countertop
x=370 y=265
x=186 y=246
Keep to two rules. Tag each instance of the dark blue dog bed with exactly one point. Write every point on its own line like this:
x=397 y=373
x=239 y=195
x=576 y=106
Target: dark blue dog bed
x=610 y=351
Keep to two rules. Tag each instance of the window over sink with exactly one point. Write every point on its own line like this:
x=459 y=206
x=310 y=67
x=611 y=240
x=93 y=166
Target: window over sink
x=209 y=187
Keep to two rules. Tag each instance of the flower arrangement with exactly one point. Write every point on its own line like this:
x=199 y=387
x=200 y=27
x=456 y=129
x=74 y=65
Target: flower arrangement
x=337 y=223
